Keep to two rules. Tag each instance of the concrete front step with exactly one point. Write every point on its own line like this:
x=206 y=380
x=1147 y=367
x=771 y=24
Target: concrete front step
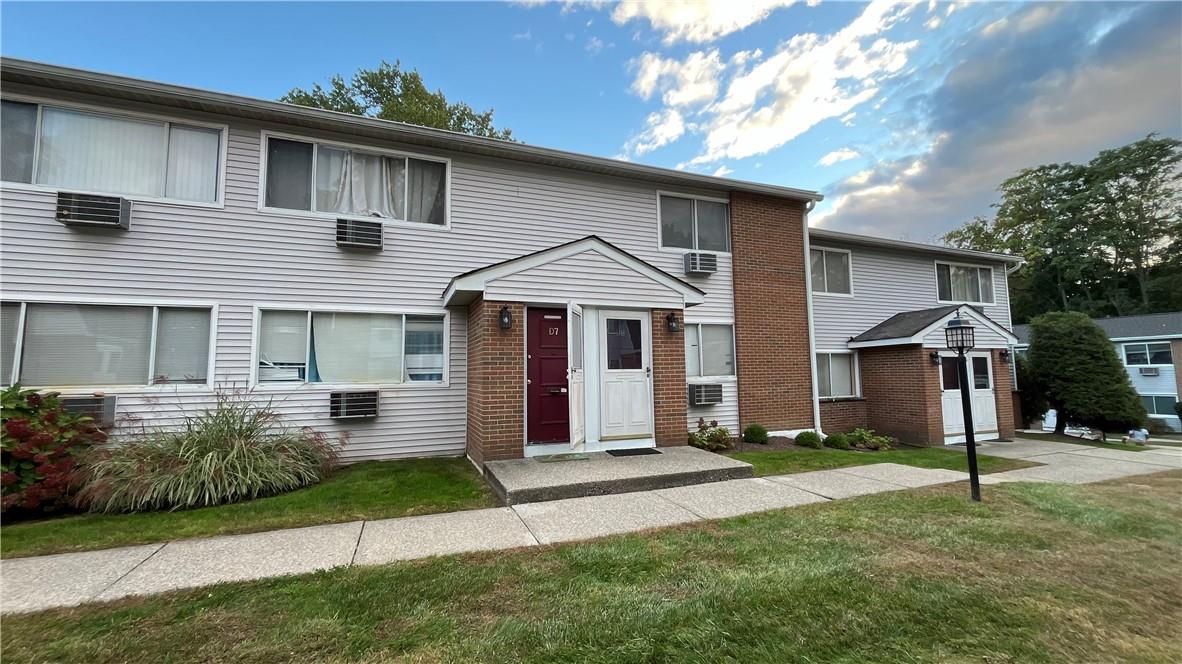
x=518 y=481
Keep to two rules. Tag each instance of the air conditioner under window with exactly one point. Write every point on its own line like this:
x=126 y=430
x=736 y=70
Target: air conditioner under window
x=100 y=408
x=700 y=263
x=89 y=210
x=705 y=394
x=1149 y=371
x=358 y=234
x=353 y=404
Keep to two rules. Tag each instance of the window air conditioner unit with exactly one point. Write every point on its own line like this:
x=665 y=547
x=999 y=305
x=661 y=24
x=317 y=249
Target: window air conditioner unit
x=705 y=395
x=699 y=263
x=98 y=211
x=359 y=234
x=99 y=408
x=353 y=404
x=1149 y=371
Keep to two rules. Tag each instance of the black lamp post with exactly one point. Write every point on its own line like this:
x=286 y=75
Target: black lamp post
x=960 y=338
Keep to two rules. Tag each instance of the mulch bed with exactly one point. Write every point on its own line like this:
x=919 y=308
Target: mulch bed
x=773 y=443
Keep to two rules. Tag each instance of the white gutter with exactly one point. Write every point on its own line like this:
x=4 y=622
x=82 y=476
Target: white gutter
x=808 y=294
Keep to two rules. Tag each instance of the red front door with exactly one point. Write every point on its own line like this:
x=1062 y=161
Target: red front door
x=546 y=392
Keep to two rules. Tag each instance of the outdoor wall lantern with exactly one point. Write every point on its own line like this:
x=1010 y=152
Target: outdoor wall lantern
x=959 y=337
x=934 y=357
x=506 y=318
x=1005 y=356
x=672 y=322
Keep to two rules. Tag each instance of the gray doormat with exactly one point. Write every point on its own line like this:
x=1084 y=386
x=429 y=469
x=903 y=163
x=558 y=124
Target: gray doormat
x=636 y=452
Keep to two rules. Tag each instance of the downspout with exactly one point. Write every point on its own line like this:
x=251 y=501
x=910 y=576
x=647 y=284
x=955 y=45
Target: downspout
x=808 y=295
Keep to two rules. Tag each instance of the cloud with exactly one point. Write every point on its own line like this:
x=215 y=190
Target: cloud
x=836 y=156
x=690 y=81
x=848 y=118
x=523 y=36
x=722 y=171
x=700 y=21
x=662 y=128
x=1014 y=101
x=594 y=45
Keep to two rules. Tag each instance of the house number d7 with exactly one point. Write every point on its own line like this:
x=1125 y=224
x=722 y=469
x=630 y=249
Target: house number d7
x=554 y=331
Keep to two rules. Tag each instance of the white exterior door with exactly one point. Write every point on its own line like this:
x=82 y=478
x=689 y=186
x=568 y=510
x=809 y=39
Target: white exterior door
x=980 y=378
x=575 y=377
x=626 y=367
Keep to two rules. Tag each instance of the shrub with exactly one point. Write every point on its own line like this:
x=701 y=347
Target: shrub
x=710 y=436
x=236 y=451
x=866 y=439
x=755 y=434
x=38 y=450
x=808 y=439
x=838 y=441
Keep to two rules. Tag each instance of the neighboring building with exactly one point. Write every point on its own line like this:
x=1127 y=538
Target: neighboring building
x=423 y=292
x=1150 y=348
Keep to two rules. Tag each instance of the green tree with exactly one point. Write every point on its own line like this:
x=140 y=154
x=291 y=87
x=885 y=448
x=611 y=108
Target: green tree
x=1074 y=364
x=1031 y=393
x=391 y=93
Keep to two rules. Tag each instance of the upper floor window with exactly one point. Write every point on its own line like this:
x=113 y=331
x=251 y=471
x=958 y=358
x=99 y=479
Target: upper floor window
x=964 y=283
x=62 y=345
x=694 y=223
x=709 y=350
x=1142 y=354
x=333 y=180
x=109 y=154
x=830 y=270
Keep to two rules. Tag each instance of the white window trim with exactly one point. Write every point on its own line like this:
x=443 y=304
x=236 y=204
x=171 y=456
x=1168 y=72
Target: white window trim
x=266 y=135
x=1124 y=354
x=849 y=270
x=694 y=230
x=992 y=282
x=857 y=374
x=287 y=386
x=727 y=378
x=223 y=150
x=156 y=305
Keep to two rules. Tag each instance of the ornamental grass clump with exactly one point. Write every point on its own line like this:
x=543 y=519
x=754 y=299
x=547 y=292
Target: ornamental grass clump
x=236 y=451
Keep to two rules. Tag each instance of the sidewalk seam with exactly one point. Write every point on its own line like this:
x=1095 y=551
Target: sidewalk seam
x=357 y=544
x=537 y=541
x=687 y=508
x=128 y=572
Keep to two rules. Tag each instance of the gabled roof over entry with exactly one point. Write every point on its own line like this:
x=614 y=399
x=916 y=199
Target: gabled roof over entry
x=916 y=327
x=630 y=275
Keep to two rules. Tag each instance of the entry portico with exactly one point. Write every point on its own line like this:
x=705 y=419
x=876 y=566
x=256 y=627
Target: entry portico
x=571 y=349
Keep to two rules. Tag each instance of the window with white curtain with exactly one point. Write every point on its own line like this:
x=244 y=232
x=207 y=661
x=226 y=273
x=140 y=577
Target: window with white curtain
x=340 y=181
x=346 y=347
x=830 y=269
x=709 y=350
x=109 y=154
x=837 y=375
x=964 y=283
x=693 y=223
x=65 y=345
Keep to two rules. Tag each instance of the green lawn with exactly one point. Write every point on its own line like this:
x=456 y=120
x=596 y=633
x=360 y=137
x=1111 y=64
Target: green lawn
x=1114 y=439
x=782 y=462
x=370 y=490
x=1036 y=573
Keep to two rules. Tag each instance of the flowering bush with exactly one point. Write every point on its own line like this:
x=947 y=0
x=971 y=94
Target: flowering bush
x=38 y=450
x=710 y=436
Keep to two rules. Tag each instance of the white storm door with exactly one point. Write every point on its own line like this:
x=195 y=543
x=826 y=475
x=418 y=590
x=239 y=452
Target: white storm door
x=980 y=377
x=575 y=377
x=984 y=400
x=626 y=362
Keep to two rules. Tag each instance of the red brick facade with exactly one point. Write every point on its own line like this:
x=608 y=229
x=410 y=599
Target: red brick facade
x=902 y=391
x=669 y=391
x=842 y=415
x=496 y=379
x=771 y=312
x=1003 y=394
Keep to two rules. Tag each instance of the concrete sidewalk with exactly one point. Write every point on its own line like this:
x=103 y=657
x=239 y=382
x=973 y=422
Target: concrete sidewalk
x=74 y=578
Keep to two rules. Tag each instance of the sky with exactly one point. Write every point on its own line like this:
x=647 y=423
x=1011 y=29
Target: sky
x=905 y=116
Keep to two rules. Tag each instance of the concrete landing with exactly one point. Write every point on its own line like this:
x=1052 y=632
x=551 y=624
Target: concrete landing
x=518 y=481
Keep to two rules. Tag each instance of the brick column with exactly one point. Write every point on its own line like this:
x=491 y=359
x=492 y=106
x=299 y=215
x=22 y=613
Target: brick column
x=771 y=313
x=670 y=403
x=902 y=391
x=496 y=380
x=1003 y=393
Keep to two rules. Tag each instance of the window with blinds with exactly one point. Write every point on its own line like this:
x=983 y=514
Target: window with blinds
x=67 y=345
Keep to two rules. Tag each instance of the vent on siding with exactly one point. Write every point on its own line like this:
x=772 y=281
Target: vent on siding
x=101 y=409
x=87 y=210
x=1149 y=371
x=699 y=263
x=705 y=394
x=359 y=234
x=353 y=404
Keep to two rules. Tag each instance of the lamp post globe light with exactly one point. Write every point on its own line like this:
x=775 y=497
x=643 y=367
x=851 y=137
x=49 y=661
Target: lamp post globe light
x=959 y=336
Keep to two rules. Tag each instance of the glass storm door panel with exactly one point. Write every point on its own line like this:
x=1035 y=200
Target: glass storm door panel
x=626 y=403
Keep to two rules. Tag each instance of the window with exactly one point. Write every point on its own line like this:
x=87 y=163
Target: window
x=836 y=375
x=625 y=344
x=692 y=223
x=709 y=350
x=949 y=374
x=964 y=283
x=96 y=152
x=1143 y=354
x=830 y=270
x=332 y=347
x=1159 y=405
x=338 y=181
x=981 y=373
x=103 y=345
